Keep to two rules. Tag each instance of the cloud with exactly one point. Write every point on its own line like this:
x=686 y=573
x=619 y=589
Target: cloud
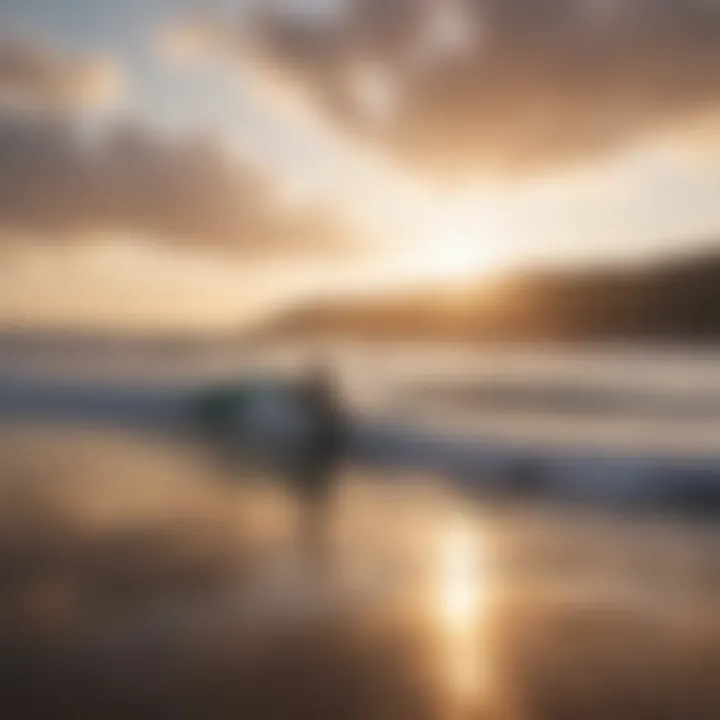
x=187 y=191
x=36 y=79
x=509 y=85
x=58 y=181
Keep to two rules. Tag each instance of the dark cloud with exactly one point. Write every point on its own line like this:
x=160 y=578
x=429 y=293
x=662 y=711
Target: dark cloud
x=508 y=84
x=35 y=78
x=187 y=191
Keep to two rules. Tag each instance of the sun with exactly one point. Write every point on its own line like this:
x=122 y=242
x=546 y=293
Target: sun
x=445 y=242
x=454 y=251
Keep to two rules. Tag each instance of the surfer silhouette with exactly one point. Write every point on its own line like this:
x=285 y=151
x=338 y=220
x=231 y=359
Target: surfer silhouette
x=316 y=471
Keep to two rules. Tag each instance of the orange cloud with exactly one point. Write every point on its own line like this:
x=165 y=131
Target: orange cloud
x=34 y=78
x=130 y=179
x=186 y=191
x=509 y=85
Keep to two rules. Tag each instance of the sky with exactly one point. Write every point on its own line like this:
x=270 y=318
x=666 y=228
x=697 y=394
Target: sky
x=202 y=163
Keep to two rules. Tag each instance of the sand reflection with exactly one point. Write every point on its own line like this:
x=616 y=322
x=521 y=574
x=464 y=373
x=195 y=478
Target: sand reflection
x=461 y=594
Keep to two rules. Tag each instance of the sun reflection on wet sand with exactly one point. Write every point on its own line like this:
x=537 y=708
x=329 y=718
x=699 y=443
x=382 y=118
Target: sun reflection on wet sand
x=462 y=599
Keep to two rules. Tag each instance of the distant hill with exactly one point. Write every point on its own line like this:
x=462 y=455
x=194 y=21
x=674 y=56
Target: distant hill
x=675 y=300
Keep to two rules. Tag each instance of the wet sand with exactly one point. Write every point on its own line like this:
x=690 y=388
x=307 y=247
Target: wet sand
x=134 y=583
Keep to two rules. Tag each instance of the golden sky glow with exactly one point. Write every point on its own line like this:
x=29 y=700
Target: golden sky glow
x=225 y=172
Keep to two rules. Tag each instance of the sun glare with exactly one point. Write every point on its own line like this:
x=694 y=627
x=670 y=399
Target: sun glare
x=454 y=251
x=461 y=590
x=462 y=610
